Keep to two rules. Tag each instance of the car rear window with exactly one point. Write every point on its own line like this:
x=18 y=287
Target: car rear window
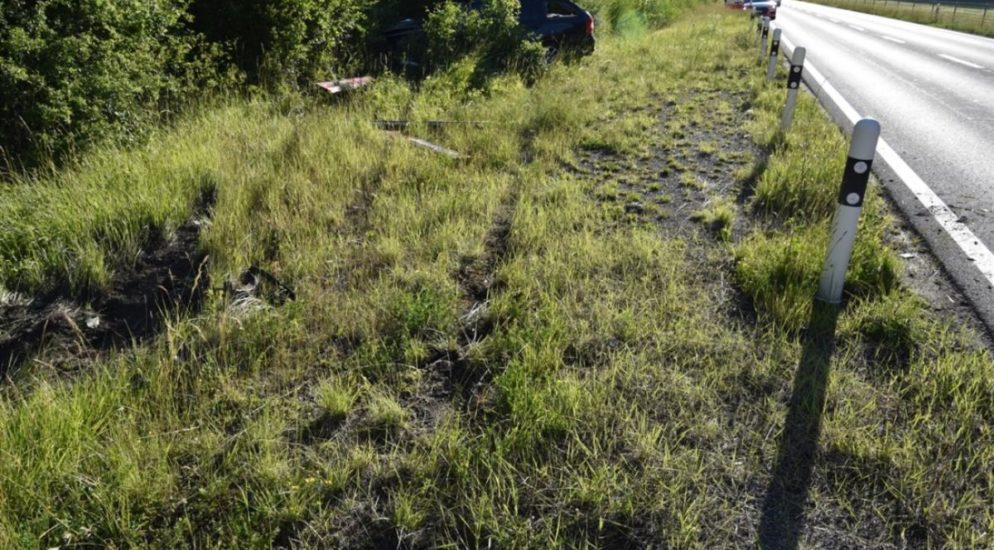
x=558 y=7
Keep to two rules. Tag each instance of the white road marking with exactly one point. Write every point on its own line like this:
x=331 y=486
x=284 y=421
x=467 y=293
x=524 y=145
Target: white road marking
x=960 y=61
x=975 y=250
x=860 y=29
x=892 y=39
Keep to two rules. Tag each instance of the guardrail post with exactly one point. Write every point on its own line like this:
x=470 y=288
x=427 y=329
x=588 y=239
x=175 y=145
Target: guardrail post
x=793 y=83
x=763 y=37
x=771 y=69
x=857 y=173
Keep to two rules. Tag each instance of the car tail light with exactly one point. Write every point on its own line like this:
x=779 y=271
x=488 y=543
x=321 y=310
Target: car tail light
x=590 y=24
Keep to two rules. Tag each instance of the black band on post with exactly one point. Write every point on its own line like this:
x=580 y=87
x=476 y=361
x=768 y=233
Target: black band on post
x=774 y=48
x=794 y=79
x=854 y=181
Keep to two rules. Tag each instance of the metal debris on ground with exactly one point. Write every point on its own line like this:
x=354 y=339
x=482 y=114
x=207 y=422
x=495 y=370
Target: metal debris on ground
x=256 y=285
x=429 y=145
x=346 y=84
x=436 y=148
x=399 y=125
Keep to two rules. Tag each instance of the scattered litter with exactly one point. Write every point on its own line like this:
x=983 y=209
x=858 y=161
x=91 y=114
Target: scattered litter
x=93 y=322
x=346 y=84
x=399 y=125
x=395 y=127
x=437 y=148
x=256 y=285
x=909 y=255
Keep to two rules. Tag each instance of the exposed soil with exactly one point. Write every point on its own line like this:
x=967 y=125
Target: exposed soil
x=452 y=377
x=455 y=371
x=665 y=188
x=675 y=180
x=168 y=278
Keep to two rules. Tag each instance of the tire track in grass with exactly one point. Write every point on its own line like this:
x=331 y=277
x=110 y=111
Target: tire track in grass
x=456 y=371
x=453 y=377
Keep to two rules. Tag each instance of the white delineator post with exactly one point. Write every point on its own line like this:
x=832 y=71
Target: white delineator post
x=763 y=37
x=771 y=69
x=793 y=83
x=861 y=153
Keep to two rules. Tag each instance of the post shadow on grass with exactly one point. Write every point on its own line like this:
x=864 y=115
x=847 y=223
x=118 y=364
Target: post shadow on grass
x=783 y=508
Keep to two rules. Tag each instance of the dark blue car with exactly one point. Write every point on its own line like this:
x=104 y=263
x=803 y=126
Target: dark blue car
x=560 y=25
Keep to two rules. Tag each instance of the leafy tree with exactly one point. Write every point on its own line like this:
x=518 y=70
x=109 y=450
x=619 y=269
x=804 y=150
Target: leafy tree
x=75 y=71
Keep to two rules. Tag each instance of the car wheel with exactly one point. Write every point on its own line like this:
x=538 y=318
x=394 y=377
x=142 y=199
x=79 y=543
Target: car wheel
x=551 y=54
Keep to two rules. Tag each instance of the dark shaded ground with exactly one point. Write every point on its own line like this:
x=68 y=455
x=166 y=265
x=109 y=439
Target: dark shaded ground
x=783 y=516
x=169 y=278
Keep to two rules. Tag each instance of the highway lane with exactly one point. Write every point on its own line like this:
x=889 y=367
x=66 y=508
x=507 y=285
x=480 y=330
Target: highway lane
x=933 y=92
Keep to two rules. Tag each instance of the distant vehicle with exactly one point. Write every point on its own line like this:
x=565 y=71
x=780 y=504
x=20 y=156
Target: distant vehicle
x=560 y=25
x=762 y=8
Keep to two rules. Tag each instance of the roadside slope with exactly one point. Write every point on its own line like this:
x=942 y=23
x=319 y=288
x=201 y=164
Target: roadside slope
x=585 y=334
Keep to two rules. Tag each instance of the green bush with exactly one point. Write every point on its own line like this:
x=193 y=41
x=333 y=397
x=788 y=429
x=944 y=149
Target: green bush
x=493 y=33
x=75 y=71
x=634 y=16
x=278 y=41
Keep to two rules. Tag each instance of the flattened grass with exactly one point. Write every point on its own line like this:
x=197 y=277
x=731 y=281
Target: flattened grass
x=483 y=352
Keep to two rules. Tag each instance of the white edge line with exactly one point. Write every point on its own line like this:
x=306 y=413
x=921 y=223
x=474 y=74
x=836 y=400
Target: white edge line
x=975 y=250
x=960 y=61
x=861 y=29
x=892 y=39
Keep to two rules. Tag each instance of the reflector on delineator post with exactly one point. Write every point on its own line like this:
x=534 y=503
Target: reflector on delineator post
x=771 y=69
x=851 y=194
x=793 y=84
x=763 y=37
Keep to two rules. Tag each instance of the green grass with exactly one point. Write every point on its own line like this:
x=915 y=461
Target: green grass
x=610 y=389
x=718 y=218
x=976 y=20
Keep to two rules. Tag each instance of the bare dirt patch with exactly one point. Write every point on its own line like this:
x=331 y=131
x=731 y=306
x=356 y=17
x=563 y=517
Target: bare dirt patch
x=169 y=278
x=692 y=165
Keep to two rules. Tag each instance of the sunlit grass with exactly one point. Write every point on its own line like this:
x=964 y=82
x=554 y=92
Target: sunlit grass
x=976 y=20
x=600 y=394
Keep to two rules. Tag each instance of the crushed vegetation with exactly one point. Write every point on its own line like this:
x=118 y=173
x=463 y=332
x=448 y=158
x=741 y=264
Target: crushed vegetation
x=596 y=330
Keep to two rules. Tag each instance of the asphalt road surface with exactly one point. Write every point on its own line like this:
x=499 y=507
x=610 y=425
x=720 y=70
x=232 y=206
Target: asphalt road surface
x=933 y=92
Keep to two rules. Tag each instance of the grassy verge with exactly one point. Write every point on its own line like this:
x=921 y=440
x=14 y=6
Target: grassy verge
x=971 y=19
x=585 y=334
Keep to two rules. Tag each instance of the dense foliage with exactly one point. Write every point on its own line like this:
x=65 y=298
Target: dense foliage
x=73 y=72
x=284 y=40
x=452 y=30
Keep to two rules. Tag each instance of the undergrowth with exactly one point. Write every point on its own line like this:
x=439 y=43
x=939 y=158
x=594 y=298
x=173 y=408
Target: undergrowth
x=489 y=351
